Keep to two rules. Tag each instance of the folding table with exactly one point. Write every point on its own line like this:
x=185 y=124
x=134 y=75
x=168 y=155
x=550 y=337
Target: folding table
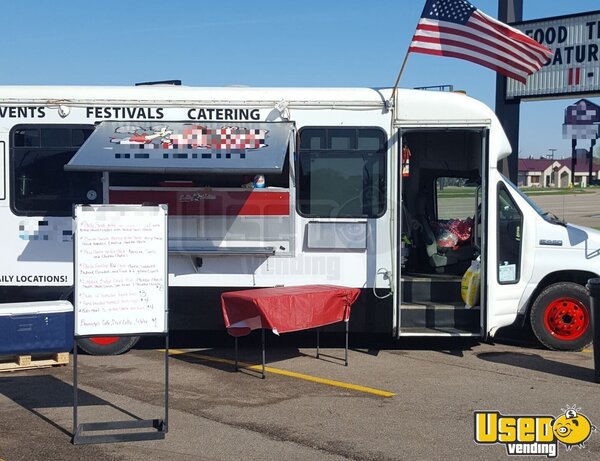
x=286 y=309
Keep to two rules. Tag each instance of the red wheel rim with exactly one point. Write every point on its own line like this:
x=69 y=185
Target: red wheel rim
x=566 y=319
x=105 y=340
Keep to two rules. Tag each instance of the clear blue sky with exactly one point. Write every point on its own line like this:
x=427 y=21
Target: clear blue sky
x=260 y=43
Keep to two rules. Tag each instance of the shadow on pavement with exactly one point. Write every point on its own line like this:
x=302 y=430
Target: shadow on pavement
x=216 y=349
x=35 y=393
x=538 y=363
x=361 y=342
x=518 y=335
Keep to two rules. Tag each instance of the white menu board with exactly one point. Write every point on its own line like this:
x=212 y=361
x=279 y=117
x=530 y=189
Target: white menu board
x=120 y=269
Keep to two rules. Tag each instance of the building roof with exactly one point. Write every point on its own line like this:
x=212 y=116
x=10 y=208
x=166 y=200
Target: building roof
x=534 y=164
x=582 y=165
x=541 y=164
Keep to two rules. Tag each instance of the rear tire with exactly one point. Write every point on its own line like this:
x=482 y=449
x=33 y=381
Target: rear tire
x=107 y=345
x=560 y=317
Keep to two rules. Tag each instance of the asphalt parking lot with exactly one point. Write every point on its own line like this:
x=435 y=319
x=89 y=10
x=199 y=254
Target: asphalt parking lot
x=582 y=209
x=406 y=400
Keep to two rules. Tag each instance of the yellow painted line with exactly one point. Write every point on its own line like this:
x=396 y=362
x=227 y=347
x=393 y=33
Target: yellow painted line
x=290 y=374
x=586 y=350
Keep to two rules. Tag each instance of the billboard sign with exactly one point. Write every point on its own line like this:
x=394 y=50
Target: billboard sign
x=582 y=120
x=574 y=68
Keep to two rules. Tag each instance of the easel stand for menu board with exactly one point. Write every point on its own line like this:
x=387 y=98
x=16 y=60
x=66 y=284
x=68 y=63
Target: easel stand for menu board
x=120 y=290
x=105 y=431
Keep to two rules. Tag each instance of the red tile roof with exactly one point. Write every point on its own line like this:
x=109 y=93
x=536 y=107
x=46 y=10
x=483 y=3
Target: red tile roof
x=582 y=165
x=540 y=164
x=534 y=164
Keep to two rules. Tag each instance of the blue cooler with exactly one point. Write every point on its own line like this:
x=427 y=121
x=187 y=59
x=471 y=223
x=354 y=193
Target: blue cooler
x=36 y=327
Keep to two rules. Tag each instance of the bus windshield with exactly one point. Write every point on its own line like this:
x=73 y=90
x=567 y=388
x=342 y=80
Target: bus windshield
x=550 y=217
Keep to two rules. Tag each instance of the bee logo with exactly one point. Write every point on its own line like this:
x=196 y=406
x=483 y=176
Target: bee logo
x=533 y=434
x=572 y=428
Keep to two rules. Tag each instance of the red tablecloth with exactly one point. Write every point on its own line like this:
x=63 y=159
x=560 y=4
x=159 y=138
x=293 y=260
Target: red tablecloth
x=286 y=309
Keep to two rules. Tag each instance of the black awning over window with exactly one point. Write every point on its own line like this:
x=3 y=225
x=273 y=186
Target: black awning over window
x=185 y=148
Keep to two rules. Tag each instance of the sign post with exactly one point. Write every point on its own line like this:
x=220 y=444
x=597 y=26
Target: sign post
x=120 y=290
x=582 y=121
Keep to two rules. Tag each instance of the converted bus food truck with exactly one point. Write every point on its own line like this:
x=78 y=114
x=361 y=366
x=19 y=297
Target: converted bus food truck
x=294 y=186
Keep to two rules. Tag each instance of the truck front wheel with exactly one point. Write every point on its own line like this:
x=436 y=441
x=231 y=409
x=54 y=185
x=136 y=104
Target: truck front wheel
x=107 y=345
x=560 y=317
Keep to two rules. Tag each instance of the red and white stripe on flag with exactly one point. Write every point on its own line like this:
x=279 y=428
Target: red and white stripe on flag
x=457 y=29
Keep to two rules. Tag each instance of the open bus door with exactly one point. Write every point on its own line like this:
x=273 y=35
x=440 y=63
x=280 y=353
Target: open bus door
x=509 y=247
x=446 y=188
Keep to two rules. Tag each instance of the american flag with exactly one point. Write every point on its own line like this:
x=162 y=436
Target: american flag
x=457 y=29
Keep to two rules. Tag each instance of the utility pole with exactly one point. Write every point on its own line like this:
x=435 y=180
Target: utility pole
x=508 y=112
x=573 y=160
x=552 y=153
x=591 y=161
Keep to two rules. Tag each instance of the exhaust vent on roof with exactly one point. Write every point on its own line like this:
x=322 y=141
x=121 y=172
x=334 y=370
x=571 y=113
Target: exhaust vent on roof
x=160 y=82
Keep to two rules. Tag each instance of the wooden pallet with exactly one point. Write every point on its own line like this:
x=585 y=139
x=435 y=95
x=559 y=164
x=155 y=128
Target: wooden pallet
x=28 y=362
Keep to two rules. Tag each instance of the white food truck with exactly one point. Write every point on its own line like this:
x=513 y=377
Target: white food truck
x=294 y=186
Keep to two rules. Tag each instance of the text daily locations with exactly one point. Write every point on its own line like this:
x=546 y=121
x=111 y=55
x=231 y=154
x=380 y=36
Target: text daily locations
x=14 y=278
x=216 y=114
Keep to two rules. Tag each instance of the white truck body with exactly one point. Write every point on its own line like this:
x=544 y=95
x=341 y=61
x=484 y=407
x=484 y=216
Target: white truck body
x=312 y=223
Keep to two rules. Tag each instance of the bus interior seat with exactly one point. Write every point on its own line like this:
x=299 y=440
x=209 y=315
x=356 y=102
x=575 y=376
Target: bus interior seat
x=440 y=259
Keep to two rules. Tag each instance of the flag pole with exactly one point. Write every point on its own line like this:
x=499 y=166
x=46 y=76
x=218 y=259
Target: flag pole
x=391 y=101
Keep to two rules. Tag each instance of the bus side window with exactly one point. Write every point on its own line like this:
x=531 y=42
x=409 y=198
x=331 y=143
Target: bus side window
x=39 y=184
x=2 y=170
x=455 y=198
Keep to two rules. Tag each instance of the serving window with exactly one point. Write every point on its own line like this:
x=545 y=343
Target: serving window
x=227 y=188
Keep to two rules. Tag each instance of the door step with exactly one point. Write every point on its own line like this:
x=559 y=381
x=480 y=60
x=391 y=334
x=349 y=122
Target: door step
x=431 y=288
x=455 y=332
x=439 y=316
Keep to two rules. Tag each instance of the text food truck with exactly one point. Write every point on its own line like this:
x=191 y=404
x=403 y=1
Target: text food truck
x=294 y=186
